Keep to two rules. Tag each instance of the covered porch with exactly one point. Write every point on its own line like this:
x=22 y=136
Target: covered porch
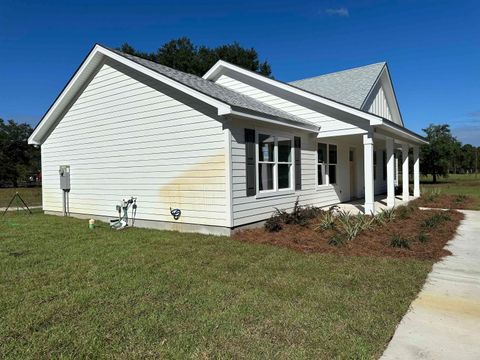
x=379 y=160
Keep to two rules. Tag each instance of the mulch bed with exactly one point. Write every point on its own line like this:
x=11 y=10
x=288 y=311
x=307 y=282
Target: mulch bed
x=445 y=201
x=372 y=242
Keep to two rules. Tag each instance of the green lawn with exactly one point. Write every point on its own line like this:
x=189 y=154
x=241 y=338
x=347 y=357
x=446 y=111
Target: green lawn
x=67 y=291
x=456 y=184
x=32 y=196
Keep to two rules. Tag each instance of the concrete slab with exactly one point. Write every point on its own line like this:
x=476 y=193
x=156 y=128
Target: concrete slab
x=444 y=321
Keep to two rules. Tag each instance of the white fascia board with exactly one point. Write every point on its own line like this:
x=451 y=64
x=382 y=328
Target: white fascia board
x=216 y=70
x=299 y=126
x=407 y=135
x=99 y=51
x=347 y=132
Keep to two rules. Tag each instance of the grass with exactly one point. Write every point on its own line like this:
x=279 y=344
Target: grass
x=67 y=291
x=32 y=196
x=456 y=184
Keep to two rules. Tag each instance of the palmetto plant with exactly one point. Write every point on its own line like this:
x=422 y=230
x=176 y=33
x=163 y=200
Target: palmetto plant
x=326 y=222
x=385 y=216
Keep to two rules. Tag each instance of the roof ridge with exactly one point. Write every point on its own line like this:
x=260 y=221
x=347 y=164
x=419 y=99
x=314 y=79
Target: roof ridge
x=273 y=111
x=340 y=71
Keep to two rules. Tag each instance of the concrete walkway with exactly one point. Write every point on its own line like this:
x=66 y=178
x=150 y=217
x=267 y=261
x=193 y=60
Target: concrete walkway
x=444 y=321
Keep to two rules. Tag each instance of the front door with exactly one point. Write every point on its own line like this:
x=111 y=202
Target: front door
x=353 y=177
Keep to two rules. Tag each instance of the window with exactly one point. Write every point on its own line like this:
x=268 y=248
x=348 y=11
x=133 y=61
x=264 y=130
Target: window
x=275 y=162
x=374 y=165
x=326 y=164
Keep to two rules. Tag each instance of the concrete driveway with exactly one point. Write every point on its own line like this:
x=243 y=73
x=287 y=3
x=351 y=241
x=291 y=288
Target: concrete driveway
x=444 y=321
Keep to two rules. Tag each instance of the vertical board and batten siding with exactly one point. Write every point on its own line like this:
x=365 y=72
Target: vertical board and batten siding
x=327 y=123
x=124 y=138
x=249 y=209
x=379 y=105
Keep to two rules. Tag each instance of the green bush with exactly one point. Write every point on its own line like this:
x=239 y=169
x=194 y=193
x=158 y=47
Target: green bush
x=397 y=241
x=405 y=211
x=337 y=239
x=385 y=216
x=327 y=221
x=273 y=224
x=432 y=195
x=435 y=220
x=460 y=198
x=423 y=238
x=300 y=215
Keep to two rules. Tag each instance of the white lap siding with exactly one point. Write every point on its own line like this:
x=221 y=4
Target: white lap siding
x=249 y=209
x=124 y=138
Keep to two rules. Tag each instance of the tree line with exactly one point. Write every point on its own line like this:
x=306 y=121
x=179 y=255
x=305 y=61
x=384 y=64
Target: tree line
x=446 y=155
x=183 y=55
x=20 y=162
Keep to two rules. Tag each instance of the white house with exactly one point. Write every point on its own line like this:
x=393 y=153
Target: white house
x=225 y=149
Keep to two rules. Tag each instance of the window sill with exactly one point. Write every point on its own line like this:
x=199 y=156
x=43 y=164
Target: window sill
x=273 y=193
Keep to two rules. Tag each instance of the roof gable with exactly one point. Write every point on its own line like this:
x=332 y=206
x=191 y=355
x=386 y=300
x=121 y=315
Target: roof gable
x=350 y=87
x=226 y=101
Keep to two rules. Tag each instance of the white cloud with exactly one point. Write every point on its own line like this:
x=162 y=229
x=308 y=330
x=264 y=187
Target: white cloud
x=342 y=12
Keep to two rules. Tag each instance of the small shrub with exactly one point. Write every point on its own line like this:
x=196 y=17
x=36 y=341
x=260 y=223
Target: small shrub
x=273 y=224
x=405 y=211
x=432 y=195
x=327 y=221
x=423 y=238
x=460 y=198
x=365 y=222
x=435 y=220
x=397 y=241
x=351 y=227
x=337 y=239
x=385 y=216
x=300 y=215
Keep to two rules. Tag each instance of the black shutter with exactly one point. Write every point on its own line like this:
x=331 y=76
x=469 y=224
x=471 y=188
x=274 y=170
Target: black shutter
x=297 y=143
x=250 y=162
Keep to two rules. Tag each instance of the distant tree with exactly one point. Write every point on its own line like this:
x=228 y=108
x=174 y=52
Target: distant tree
x=468 y=158
x=183 y=55
x=18 y=159
x=438 y=154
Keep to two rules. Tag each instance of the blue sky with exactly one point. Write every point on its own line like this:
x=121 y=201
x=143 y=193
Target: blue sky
x=432 y=47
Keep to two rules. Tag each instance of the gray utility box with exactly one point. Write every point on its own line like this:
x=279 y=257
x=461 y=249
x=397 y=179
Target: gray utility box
x=64 y=172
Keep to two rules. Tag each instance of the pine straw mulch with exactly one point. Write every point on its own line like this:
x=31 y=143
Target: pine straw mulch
x=445 y=201
x=373 y=242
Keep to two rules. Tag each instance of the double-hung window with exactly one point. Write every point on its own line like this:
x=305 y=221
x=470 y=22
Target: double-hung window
x=275 y=162
x=326 y=164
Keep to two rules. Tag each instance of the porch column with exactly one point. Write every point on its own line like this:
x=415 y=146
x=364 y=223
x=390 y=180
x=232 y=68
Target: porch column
x=405 y=194
x=390 y=174
x=368 y=173
x=416 y=171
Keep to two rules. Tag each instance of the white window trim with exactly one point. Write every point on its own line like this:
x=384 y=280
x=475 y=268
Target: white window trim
x=327 y=169
x=275 y=191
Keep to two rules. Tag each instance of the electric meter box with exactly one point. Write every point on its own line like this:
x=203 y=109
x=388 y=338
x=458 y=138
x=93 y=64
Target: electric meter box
x=64 y=172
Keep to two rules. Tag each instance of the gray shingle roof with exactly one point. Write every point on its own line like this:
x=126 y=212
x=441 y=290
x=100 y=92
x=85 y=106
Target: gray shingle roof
x=214 y=90
x=349 y=87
